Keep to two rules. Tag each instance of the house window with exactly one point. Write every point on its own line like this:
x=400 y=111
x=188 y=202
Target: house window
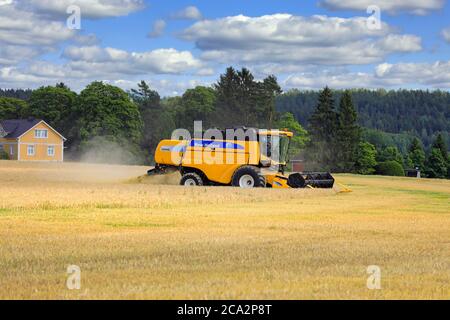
x=11 y=150
x=40 y=134
x=30 y=150
x=51 y=151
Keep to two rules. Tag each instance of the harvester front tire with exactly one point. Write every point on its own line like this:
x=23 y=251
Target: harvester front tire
x=248 y=177
x=191 y=179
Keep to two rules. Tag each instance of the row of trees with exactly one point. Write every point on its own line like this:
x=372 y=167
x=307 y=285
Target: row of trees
x=389 y=118
x=23 y=94
x=337 y=143
x=112 y=125
x=101 y=116
x=404 y=114
x=104 y=117
x=237 y=99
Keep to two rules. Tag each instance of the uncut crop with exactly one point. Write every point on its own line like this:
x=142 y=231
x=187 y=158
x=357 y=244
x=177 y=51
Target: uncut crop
x=139 y=238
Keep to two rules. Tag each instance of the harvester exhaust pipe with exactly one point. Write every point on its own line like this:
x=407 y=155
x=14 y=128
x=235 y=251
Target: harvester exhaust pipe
x=311 y=179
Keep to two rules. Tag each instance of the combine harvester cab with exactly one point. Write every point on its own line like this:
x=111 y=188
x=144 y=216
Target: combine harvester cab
x=259 y=160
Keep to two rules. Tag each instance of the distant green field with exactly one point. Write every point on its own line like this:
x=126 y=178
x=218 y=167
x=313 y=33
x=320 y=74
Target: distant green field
x=151 y=239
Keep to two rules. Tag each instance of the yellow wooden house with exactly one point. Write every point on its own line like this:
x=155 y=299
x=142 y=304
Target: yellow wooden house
x=31 y=140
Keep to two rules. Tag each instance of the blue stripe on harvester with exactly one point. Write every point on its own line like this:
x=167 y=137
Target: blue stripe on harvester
x=216 y=144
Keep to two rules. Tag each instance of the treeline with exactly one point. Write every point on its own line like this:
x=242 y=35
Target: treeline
x=332 y=130
x=103 y=123
x=416 y=113
x=339 y=144
x=23 y=94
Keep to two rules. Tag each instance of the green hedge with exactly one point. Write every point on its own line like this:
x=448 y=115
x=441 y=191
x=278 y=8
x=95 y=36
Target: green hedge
x=390 y=168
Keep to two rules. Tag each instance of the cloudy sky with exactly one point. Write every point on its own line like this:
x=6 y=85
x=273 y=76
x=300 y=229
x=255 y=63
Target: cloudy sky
x=175 y=45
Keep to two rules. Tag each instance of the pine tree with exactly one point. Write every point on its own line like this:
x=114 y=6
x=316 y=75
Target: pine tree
x=390 y=154
x=440 y=144
x=348 y=133
x=322 y=127
x=227 y=88
x=438 y=162
x=267 y=91
x=243 y=101
x=436 y=166
x=145 y=97
x=416 y=154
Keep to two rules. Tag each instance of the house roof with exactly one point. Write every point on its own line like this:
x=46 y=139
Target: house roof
x=16 y=128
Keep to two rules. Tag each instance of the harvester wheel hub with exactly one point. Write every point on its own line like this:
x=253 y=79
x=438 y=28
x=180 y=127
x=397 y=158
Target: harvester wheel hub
x=190 y=182
x=246 y=181
x=191 y=179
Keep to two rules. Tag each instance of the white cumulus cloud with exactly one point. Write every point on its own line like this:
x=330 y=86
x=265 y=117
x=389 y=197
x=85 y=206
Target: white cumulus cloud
x=94 y=59
x=158 y=28
x=418 y=7
x=400 y=75
x=188 y=13
x=89 y=8
x=284 y=39
x=446 y=34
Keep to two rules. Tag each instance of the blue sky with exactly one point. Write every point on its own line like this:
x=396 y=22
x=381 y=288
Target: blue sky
x=306 y=44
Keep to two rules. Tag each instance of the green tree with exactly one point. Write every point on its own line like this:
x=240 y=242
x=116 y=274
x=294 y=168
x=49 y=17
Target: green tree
x=390 y=154
x=62 y=85
x=382 y=140
x=440 y=144
x=173 y=105
x=158 y=121
x=243 y=101
x=246 y=96
x=145 y=97
x=105 y=111
x=266 y=93
x=436 y=166
x=12 y=108
x=197 y=104
x=322 y=128
x=55 y=105
x=300 y=138
x=365 y=158
x=390 y=168
x=407 y=162
x=227 y=106
x=348 y=133
x=3 y=154
x=416 y=154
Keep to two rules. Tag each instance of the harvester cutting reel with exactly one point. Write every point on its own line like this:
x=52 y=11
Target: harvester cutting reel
x=311 y=180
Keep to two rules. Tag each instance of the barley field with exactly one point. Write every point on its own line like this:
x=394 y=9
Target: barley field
x=139 y=238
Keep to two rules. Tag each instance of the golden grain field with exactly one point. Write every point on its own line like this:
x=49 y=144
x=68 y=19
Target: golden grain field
x=140 y=238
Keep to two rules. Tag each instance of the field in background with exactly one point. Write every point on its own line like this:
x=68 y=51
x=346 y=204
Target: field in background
x=145 y=238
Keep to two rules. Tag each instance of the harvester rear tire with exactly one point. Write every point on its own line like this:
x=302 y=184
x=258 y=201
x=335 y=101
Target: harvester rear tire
x=191 y=179
x=248 y=177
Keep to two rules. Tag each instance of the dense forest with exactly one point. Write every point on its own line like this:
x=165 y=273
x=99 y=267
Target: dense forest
x=360 y=131
x=396 y=115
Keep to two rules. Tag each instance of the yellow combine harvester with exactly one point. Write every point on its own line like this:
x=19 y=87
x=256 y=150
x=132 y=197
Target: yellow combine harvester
x=257 y=160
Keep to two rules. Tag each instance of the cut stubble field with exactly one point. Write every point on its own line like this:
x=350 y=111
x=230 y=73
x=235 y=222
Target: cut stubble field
x=139 y=238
